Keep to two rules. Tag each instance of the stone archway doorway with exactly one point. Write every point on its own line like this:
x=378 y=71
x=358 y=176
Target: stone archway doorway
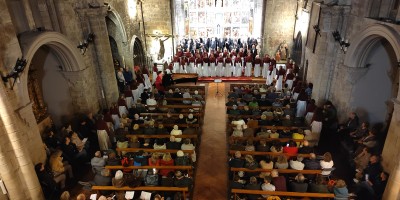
x=139 y=58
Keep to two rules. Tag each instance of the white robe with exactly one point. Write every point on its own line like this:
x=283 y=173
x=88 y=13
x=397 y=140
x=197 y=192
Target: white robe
x=199 y=70
x=175 y=69
x=228 y=70
x=248 y=69
x=270 y=78
x=129 y=101
x=147 y=83
x=238 y=70
x=104 y=140
x=257 y=70
x=140 y=89
x=190 y=68
x=212 y=70
x=116 y=121
x=264 y=70
x=206 y=70
x=136 y=95
x=220 y=69
x=278 y=85
x=301 y=108
x=181 y=70
x=289 y=83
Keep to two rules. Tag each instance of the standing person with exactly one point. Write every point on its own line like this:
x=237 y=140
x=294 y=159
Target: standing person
x=289 y=79
x=264 y=71
x=176 y=62
x=238 y=66
x=167 y=79
x=206 y=61
x=301 y=104
x=198 y=67
x=220 y=65
x=159 y=83
x=279 y=78
x=228 y=66
x=316 y=127
x=212 y=65
x=121 y=80
x=103 y=134
x=127 y=75
x=257 y=66
x=249 y=65
x=155 y=73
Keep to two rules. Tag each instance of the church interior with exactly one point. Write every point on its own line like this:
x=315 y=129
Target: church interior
x=199 y=99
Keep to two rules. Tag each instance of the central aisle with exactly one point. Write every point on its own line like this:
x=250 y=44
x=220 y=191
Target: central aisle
x=212 y=175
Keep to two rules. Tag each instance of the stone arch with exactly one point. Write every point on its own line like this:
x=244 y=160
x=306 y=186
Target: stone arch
x=117 y=20
x=362 y=44
x=66 y=52
x=137 y=51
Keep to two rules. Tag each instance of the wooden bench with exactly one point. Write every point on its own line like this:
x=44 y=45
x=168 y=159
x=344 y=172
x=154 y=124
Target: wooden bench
x=152 y=150
x=281 y=171
x=273 y=154
x=120 y=167
x=191 y=136
x=172 y=125
x=184 y=190
x=286 y=194
x=260 y=107
x=275 y=127
x=266 y=139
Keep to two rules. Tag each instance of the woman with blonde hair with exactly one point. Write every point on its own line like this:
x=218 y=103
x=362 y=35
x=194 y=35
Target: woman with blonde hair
x=340 y=190
x=281 y=162
x=166 y=161
x=154 y=160
x=58 y=166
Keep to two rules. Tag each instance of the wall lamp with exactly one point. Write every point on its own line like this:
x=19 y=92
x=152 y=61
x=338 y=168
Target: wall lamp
x=15 y=73
x=317 y=30
x=342 y=42
x=83 y=46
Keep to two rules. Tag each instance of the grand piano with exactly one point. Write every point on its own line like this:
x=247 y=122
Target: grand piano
x=185 y=78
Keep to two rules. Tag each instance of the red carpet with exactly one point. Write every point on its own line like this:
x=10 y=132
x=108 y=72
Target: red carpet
x=232 y=79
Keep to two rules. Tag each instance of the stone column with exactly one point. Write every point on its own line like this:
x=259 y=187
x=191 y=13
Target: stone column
x=392 y=190
x=94 y=19
x=16 y=166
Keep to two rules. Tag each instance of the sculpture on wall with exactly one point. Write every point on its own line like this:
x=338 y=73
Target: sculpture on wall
x=39 y=108
x=283 y=50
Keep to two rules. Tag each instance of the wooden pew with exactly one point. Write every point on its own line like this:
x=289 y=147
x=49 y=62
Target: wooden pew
x=273 y=154
x=266 y=139
x=152 y=150
x=195 y=114
x=172 y=125
x=191 y=136
x=286 y=194
x=184 y=190
x=260 y=107
x=281 y=171
x=275 y=127
x=186 y=168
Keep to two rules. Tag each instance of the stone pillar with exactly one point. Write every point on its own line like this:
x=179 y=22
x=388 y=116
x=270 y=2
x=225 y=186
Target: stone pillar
x=94 y=19
x=392 y=190
x=16 y=166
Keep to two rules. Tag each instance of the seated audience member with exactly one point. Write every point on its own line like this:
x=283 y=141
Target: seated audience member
x=122 y=143
x=373 y=170
x=182 y=159
x=340 y=190
x=246 y=111
x=267 y=186
x=287 y=121
x=298 y=185
x=249 y=145
x=180 y=120
x=281 y=162
x=247 y=131
x=176 y=132
x=350 y=125
x=264 y=121
x=112 y=159
x=250 y=163
x=154 y=160
x=369 y=141
x=118 y=181
x=181 y=180
x=312 y=163
x=266 y=164
x=58 y=166
x=253 y=185
x=166 y=161
x=297 y=164
x=187 y=145
x=134 y=143
x=285 y=133
x=362 y=159
x=235 y=183
x=190 y=119
x=360 y=132
x=151 y=103
x=237 y=160
x=256 y=111
x=237 y=131
x=173 y=144
x=290 y=148
x=326 y=163
x=372 y=190
x=231 y=102
x=274 y=134
x=262 y=146
x=186 y=94
x=150 y=129
x=49 y=182
x=159 y=144
x=276 y=147
x=234 y=110
x=80 y=145
x=319 y=186
x=97 y=162
x=305 y=149
x=65 y=196
x=71 y=152
x=197 y=95
x=278 y=181
x=140 y=159
x=253 y=103
x=161 y=130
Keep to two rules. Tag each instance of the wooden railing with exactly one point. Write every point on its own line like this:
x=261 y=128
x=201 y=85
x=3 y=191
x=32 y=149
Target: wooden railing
x=285 y=194
x=273 y=154
x=184 y=190
x=281 y=171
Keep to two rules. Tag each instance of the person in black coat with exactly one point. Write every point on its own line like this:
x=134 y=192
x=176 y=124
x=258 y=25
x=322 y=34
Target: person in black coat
x=167 y=79
x=298 y=185
x=49 y=186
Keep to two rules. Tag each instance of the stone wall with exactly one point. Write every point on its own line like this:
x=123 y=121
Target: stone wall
x=278 y=24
